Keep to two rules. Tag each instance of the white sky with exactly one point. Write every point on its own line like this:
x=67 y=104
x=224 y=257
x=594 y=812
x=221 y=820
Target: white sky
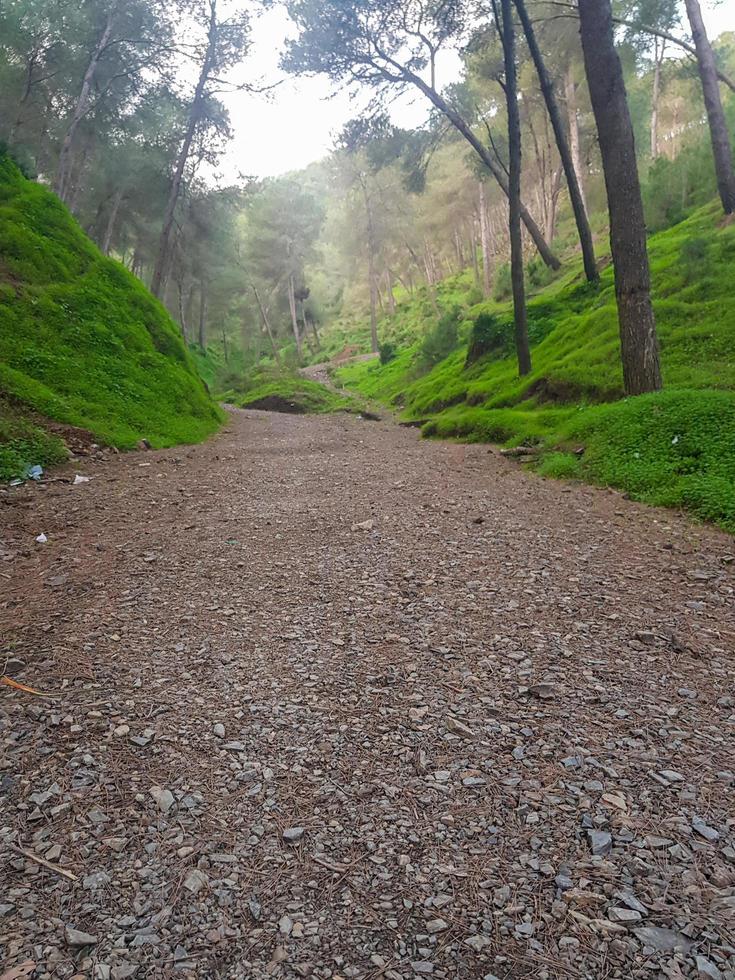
x=297 y=122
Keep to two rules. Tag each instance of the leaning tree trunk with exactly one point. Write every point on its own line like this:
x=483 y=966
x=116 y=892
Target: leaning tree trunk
x=267 y=325
x=575 y=195
x=160 y=269
x=111 y=221
x=638 y=341
x=713 y=104
x=81 y=108
x=486 y=156
x=523 y=349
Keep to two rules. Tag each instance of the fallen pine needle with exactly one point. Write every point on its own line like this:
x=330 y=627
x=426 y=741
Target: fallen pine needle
x=9 y=682
x=44 y=863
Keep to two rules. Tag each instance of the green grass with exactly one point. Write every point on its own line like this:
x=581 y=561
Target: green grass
x=295 y=394
x=81 y=339
x=574 y=393
x=24 y=444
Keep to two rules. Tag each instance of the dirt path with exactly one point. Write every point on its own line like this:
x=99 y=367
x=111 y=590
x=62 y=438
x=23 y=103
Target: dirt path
x=473 y=724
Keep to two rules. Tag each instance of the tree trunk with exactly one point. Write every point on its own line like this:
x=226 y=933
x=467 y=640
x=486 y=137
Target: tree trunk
x=203 y=316
x=575 y=196
x=570 y=92
x=553 y=206
x=182 y=311
x=389 y=292
x=371 y=266
x=658 y=57
x=713 y=104
x=485 y=243
x=314 y=330
x=523 y=349
x=473 y=252
x=81 y=108
x=224 y=345
x=266 y=324
x=484 y=154
x=638 y=341
x=160 y=269
x=294 y=319
x=111 y=221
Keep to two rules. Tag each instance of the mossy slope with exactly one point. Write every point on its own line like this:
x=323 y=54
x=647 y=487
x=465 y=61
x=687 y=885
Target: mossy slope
x=81 y=339
x=675 y=448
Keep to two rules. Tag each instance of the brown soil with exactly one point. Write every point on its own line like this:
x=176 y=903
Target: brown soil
x=447 y=672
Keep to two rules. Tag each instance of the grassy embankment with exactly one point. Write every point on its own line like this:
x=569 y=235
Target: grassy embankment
x=675 y=448
x=82 y=341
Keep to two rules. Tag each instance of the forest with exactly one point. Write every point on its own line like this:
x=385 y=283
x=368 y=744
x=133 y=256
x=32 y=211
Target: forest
x=401 y=241
x=367 y=489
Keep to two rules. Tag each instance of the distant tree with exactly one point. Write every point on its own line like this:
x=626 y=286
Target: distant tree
x=638 y=340
x=223 y=47
x=719 y=135
x=383 y=43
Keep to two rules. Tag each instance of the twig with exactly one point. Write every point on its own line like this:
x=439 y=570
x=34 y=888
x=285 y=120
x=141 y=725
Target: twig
x=43 y=862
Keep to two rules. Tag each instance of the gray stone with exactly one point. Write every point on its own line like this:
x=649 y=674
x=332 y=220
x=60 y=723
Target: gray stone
x=623 y=915
x=293 y=834
x=600 y=841
x=663 y=940
x=75 y=937
x=706 y=969
x=704 y=830
x=163 y=797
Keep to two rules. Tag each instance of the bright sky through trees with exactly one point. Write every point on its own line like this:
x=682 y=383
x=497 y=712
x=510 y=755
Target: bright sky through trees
x=297 y=122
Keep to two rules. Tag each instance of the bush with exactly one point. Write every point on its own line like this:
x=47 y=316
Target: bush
x=560 y=466
x=441 y=339
x=539 y=274
x=502 y=287
x=694 y=257
x=490 y=335
x=387 y=352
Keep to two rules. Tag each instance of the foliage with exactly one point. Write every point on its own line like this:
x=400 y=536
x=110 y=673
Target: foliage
x=490 y=335
x=292 y=393
x=440 y=339
x=81 y=340
x=387 y=352
x=570 y=397
x=502 y=287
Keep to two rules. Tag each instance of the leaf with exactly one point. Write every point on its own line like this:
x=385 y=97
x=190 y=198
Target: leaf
x=21 y=970
x=9 y=682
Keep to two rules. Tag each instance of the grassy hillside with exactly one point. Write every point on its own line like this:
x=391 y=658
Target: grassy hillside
x=82 y=341
x=675 y=448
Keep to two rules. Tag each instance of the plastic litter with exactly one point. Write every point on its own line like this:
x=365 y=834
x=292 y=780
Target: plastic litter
x=41 y=539
x=80 y=479
x=33 y=472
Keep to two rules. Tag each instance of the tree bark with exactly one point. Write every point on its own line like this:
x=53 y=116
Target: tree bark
x=473 y=252
x=111 y=221
x=523 y=349
x=294 y=319
x=389 y=292
x=638 y=341
x=203 y=316
x=715 y=116
x=658 y=57
x=575 y=195
x=266 y=324
x=570 y=92
x=484 y=154
x=485 y=243
x=81 y=108
x=371 y=266
x=160 y=269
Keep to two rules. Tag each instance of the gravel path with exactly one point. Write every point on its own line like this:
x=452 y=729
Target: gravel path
x=332 y=702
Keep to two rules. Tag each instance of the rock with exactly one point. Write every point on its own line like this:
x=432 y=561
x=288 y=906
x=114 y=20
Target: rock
x=363 y=525
x=436 y=925
x=662 y=940
x=704 y=830
x=163 y=797
x=600 y=841
x=219 y=730
x=623 y=915
x=546 y=691
x=478 y=942
x=458 y=727
x=293 y=834
x=77 y=938
x=195 y=881
x=706 y=969
x=422 y=967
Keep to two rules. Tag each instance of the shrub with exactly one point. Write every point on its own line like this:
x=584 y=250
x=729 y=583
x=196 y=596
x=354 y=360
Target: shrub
x=502 y=287
x=490 y=335
x=387 y=352
x=441 y=339
x=539 y=274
